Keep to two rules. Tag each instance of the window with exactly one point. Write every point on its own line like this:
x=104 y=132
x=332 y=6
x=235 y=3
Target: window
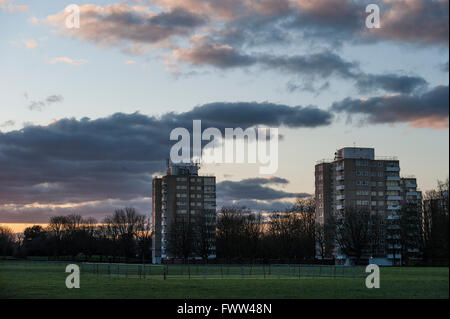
x=380 y=174
x=362 y=163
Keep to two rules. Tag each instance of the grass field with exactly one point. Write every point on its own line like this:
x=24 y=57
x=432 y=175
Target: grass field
x=41 y=280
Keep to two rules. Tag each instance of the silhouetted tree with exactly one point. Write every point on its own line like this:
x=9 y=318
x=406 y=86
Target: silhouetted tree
x=353 y=232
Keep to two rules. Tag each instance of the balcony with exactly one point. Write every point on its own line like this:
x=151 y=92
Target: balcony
x=340 y=197
x=391 y=256
x=390 y=197
x=340 y=168
x=412 y=193
x=339 y=207
x=392 y=169
x=396 y=207
x=393 y=217
x=340 y=187
x=393 y=178
x=409 y=185
x=394 y=188
x=340 y=177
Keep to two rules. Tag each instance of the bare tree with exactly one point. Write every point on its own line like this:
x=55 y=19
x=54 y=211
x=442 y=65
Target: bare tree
x=353 y=232
x=321 y=241
x=204 y=229
x=144 y=237
x=435 y=230
x=6 y=241
x=180 y=238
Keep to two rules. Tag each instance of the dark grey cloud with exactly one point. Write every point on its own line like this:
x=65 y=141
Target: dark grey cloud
x=40 y=105
x=254 y=189
x=74 y=161
x=390 y=83
x=54 y=99
x=331 y=23
x=244 y=114
x=307 y=68
x=429 y=109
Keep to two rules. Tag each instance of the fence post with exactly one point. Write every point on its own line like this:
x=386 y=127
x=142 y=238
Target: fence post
x=264 y=270
x=299 y=271
x=242 y=271
x=221 y=270
x=164 y=272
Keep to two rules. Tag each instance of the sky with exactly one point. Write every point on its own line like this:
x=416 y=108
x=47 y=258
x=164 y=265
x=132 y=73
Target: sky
x=86 y=113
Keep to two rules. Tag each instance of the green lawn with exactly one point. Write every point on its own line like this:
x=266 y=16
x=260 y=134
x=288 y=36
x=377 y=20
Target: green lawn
x=48 y=281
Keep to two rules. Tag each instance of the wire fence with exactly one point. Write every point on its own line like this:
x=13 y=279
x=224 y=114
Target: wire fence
x=197 y=271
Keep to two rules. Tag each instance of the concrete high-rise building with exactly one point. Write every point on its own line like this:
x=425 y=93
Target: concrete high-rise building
x=356 y=179
x=181 y=195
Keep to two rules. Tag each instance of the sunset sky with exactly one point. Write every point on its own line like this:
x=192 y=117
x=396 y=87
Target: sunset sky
x=85 y=114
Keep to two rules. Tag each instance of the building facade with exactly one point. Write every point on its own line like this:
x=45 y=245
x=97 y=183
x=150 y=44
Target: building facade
x=181 y=196
x=356 y=179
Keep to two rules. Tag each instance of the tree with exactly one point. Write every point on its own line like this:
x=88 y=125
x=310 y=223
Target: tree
x=6 y=241
x=353 y=232
x=35 y=241
x=144 y=238
x=205 y=234
x=435 y=232
x=230 y=224
x=122 y=228
x=321 y=240
x=180 y=238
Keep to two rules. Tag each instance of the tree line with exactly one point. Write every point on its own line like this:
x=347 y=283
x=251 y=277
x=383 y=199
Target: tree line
x=238 y=235
x=123 y=235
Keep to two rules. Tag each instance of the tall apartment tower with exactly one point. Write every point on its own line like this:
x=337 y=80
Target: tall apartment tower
x=181 y=194
x=356 y=178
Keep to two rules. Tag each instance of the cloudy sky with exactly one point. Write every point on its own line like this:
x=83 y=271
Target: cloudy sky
x=85 y=114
